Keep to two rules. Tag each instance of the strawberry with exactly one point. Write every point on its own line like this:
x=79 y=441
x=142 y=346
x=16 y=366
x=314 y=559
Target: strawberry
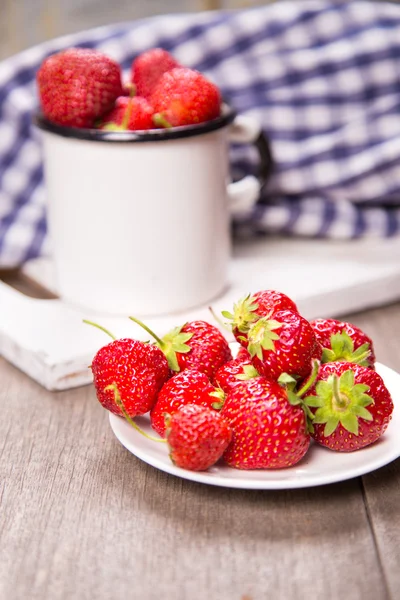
x=284 y=344
x=196 y=345
x=184 y=96
x=233 y=372
x=343 y=341
x=250 y=308
x=197 y=437
x=77 y=86
x=136 y=369
x=208 y=348
x=268 y=431
x=351 y=405
x=131 y=114
x=188 y=387
x=148 y=67
x=243 y=354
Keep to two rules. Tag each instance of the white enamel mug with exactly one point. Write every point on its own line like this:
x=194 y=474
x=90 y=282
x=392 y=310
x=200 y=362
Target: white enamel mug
x=139 y=222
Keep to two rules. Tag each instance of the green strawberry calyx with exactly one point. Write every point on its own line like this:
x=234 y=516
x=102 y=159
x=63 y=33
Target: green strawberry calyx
x=220 y=396
x=118 y=401
x=339 y=400
x=172 y=343
x=342 y=349
x=249 y=372
x=243 y=315
x=261 y=336
x=295 y=396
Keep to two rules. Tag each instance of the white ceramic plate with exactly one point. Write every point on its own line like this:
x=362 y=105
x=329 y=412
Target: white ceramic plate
x=319 y=466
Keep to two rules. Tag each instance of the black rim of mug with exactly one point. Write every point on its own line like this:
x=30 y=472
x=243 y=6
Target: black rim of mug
x=152 y=135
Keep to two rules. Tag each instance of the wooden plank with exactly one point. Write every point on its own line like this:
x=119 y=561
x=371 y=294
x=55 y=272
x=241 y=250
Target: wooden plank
x=10 y=34
x=382 y=490
x=25 y=23
x=82 y=518
x=383 y=486
x=77 y=15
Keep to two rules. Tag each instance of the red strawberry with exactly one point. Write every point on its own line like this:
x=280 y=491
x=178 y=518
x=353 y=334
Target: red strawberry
x=148 y=67
x=284 y=344
x=268 y=431
x=343 y=341
x=197 y=437
x=77 y=86
x=197 y=345
x=208 y=348
x=233 y=372
x=131 y=114
x=352 y=406
x=136 y=369
x=243 y=354
x=249 y=309
x=188 y=387
x=185 y=97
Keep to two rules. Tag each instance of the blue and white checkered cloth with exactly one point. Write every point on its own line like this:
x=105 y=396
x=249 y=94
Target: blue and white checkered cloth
x=322 y=78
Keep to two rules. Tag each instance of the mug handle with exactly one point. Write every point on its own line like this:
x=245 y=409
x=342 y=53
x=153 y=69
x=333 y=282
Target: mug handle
x=244 y=193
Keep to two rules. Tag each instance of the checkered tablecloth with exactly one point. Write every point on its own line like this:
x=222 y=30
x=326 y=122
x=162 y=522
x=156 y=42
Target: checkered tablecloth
x=322 y=78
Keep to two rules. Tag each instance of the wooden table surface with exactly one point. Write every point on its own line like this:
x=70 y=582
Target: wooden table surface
x=81 y=518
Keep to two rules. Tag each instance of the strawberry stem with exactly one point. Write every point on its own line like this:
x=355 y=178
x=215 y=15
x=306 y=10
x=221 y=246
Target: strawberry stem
x=100 y=327
x=132 y=89
x=339 y=401
x=153 y=335
x=119 y=403
x=160 y=121
x=219 y=321
x=127 y=115
x=311 y=380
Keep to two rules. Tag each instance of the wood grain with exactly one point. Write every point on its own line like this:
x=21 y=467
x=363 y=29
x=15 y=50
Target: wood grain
x=80 y=517
x=383 y=486
x=24 y=23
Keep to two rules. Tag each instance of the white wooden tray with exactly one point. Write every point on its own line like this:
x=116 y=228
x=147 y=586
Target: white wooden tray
x=47 y=339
